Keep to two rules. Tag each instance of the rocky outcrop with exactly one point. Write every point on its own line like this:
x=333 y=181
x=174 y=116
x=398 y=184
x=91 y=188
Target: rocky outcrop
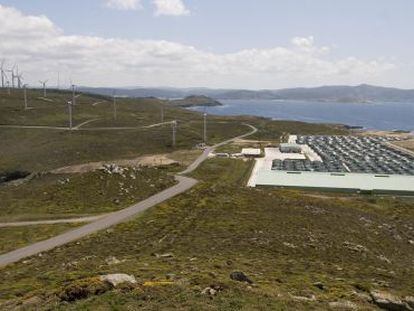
x=388 y=301
x=117 y=279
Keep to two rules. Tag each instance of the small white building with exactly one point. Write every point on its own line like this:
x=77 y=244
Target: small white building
x=251 y=152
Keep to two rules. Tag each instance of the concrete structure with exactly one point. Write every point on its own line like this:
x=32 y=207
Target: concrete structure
x=290 y=148
x=377 y=184
x=263 y=175
x=251 y=152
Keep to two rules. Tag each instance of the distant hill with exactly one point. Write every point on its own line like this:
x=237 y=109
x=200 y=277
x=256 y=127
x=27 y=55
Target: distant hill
x=362 y=93
x=193 y=101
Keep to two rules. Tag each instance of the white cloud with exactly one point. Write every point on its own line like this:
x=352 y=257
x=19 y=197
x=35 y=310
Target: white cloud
x=42 y=49
x=124 y=4
x=170 y=7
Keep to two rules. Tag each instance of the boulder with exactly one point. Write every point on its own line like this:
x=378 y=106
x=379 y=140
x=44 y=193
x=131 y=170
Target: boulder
x=117 y=279
x=240 y=277
x=343 y=305
x=389 y=301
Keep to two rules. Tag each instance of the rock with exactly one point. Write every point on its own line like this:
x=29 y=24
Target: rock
x=410 y=301
x=303 y=298
x=209 y=291
x=112 y=261
x=319 y=285
x=389 y=301
x=212 y=290
x=116 y=279
x=383 y=258
x=290 y=245
x=240 y=277
x=343 y=305
x=355 y=247
x=85 y=288
x=167 y=255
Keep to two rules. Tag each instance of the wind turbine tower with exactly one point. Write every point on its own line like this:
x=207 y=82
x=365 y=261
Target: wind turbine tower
x=114 y=103
x=13 y=76
x=43 y=83
x=3 y=73
x=205 y=127
x=25 y=96
x=70 y=107
x=174 y=133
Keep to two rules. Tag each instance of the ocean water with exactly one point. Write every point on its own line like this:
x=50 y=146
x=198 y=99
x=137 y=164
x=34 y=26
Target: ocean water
x=380 y=116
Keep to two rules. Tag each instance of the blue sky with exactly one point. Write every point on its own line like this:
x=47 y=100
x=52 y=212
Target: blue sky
x=371 y=38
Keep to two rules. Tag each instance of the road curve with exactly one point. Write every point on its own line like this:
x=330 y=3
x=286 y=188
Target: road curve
x=109 y=220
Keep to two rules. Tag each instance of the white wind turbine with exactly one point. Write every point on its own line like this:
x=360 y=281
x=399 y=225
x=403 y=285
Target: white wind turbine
x=3 y=73
x=43 y=83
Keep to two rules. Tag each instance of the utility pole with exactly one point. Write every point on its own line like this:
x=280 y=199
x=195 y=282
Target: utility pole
x=8 y=87
x=205 y=128
x=25 y=96
x=162 y=114
x=114 y=102
x=174 y=133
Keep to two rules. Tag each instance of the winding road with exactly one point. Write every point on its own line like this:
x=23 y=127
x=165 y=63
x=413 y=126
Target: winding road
x=109 y=220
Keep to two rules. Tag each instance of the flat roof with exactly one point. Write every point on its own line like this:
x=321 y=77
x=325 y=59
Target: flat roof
x=340 y=181
x=251 y=151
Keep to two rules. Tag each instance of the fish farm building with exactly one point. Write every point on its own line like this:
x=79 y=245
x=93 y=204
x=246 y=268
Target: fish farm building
x=341 y=163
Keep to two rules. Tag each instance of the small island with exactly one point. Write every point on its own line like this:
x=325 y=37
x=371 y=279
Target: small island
x=194 y=101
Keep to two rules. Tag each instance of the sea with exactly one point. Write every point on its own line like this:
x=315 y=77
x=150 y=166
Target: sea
x=369 y=116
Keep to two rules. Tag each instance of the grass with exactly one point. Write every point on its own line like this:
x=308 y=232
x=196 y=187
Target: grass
x=15 y=237
x=63 y=196
x=286 y=241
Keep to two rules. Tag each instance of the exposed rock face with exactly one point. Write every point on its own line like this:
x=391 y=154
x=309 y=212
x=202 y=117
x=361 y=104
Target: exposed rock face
x=240 y=277
x=389 y=301
x=343 y=305
x=116 y=279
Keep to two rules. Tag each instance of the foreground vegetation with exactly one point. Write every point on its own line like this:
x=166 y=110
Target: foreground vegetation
x=15 y=237
x=74 y=195
x=288 y=243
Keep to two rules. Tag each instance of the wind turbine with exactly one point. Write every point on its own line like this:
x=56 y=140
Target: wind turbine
x=114 y=102
x=25 y=96
x=3 y=73
x=13 y=76
x=19 y=79
x=205 y=127
x=174 y=133
x=43 y=83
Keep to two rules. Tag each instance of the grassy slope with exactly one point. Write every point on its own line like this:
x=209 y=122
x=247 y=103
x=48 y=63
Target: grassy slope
x=284 y=240
x=16 y=237
x=49 y=196
x=38 y=150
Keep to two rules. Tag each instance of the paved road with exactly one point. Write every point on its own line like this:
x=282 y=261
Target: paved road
x=184 y=184
x=50 y=221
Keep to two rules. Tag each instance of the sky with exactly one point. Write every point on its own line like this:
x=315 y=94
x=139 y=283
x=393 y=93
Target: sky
x=262 y=44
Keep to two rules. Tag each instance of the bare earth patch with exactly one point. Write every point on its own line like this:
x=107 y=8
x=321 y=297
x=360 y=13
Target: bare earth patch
x=146 y=161
x=407 y=144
